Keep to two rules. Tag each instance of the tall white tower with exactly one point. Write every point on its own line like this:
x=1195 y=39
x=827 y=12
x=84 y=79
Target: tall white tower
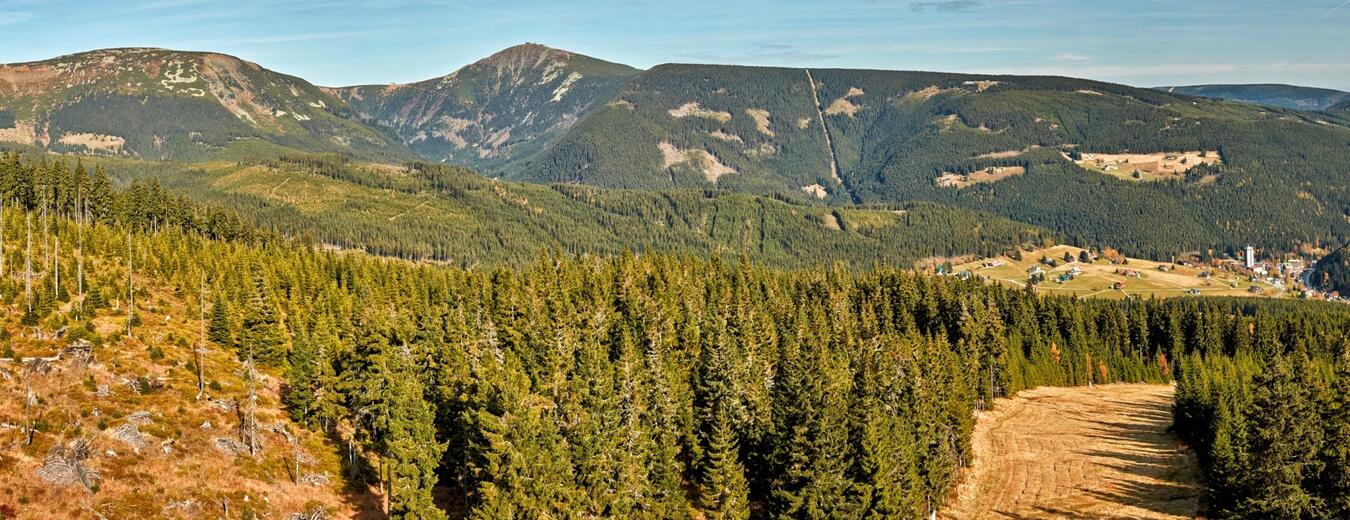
x=1251 y=257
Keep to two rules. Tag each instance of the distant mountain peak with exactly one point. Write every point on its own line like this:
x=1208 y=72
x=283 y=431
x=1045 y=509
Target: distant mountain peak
x=182 y=103
x=494 y=110
x=526 y=50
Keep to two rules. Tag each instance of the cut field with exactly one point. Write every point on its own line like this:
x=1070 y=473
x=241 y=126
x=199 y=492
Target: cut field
x=1099 y=452
x=1098 y=279
x=985 y=176
x=1148 y=166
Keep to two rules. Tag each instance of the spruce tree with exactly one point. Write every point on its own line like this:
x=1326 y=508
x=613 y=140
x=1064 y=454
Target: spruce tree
x=219 y=330
x=1285 y=437
x=411 y=445
x=723 y=488
x=1334 y=484
x=261 y=337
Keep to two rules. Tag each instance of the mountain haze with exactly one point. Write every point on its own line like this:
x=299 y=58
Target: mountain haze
x=1283 y=96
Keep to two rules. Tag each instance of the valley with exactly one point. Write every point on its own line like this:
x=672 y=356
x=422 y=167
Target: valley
x=550 y=285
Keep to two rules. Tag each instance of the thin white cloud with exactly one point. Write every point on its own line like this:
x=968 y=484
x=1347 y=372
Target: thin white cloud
x=1337 y=8
x=270 y=39
x=1128 y=71
x=15 y=17
x=1069 y=56
x=1306 y=67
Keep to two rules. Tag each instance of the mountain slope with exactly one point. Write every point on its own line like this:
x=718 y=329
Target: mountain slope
x=1008 y=144
x=450 y=214
x=1283 y=96
x=102 y=420
x=494 y=111
x=162 y=104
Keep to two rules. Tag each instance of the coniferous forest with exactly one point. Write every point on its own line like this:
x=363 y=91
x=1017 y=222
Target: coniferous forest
x=660 y=386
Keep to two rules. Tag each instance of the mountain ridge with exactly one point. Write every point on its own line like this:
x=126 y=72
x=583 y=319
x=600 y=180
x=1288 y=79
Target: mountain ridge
x=1273 y=94
x=1033 y=149
x=165 y=104
x=495 y=110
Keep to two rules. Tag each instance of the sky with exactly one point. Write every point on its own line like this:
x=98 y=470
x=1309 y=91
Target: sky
x=348 y=42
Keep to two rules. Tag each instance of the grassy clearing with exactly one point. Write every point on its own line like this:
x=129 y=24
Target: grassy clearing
x=1099 y=278
x=1147 y=166
x=1101 y=452
x=985 y=176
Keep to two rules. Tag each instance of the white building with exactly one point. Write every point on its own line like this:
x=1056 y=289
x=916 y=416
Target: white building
x=1251 y=257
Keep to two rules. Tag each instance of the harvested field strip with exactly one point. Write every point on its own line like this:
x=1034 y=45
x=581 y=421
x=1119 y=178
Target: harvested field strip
x=1099 y=452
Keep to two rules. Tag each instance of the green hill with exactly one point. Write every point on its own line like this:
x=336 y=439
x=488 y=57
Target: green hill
x=1283 y=96
x=1151 y=172
x=497 y=110
x=162 y=104
x=451 y=214
x=891 y=137
x=1333 y=271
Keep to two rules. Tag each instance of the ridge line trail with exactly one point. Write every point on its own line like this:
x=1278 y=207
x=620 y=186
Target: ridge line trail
x=1079 y=452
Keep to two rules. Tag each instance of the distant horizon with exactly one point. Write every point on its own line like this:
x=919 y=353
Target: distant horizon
x=1143 y=43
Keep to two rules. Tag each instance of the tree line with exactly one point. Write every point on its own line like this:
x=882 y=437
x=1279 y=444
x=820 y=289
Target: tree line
x=1267 y=412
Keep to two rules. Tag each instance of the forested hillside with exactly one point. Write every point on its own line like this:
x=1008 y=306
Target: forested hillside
x=1283 y=96
x=161 y=104
x=501 y=109
x=877 y=136
x=1149 y=172
x=1262 y=399
x=115 y=404
x=1333 y=271
x=450 y=214
x=603 y=386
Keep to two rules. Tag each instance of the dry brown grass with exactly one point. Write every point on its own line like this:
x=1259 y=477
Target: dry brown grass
x=177 y=473
x=987 y=175
x=94 y=142
x=693 y=109
x=701 y=160
x=761 y=118
x=842 y=106
x=1100 y=452
x=832 y=222
x=816 y=190
x=1150 y=166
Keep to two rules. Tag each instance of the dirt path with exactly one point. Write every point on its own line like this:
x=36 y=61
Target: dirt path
x=1100 y=452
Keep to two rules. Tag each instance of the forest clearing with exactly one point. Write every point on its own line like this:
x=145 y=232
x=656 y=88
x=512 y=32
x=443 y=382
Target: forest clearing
x=1100 y=277
x=1087 y=452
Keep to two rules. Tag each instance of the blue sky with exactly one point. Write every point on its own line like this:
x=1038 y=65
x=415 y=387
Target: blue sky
x=343 y=42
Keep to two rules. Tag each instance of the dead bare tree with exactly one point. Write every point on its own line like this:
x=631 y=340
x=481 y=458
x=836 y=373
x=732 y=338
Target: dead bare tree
x=2 y=237
x=65 y=465
x=131 y=289
x=46 y=233
x=28 y=260
x=248 y=421
x=31 y=369
x=56 y=267
x=79 y=270
x=201 y=339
